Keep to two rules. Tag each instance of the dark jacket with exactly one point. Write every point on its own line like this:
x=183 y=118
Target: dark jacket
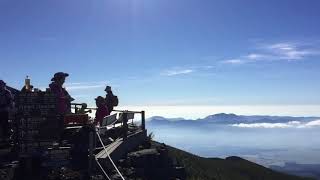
x=109 y=99
x=6 y=100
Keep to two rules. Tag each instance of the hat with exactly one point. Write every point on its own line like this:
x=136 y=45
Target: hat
x=2 y=82
x=99 y=98
x=84 y=104
x=108 y=88
x=59 y=75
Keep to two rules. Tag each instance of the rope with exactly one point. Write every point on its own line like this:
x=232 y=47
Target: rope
x=109 y=156
x=104 y=172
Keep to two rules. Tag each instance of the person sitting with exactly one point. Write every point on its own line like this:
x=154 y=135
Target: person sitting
x=83 y=109
x=102 y=110
x=63 y=97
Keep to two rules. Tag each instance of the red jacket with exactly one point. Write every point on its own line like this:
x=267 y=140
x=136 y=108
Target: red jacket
x=62 y=99
x=101 y=112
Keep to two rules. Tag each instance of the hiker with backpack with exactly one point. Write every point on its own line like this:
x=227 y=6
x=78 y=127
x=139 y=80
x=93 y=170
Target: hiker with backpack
x=6 y=103
x=111 y=99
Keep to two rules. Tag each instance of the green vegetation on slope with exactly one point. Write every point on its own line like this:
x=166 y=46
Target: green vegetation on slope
x=231 y=168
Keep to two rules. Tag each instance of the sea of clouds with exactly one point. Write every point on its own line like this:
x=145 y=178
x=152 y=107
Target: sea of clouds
x=291 y=124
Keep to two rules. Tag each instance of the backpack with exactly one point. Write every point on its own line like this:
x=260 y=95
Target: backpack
x=115 y=101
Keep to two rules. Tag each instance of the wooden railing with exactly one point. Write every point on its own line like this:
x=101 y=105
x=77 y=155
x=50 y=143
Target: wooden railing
x=124 y=119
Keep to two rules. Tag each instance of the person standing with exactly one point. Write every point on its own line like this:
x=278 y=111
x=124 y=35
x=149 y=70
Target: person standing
x=111 y=99
x=6 y=102
x=102 y=110
x=63 y=103
x=63 y=97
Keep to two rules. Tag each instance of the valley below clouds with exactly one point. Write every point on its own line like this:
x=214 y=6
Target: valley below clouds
x=271 y=141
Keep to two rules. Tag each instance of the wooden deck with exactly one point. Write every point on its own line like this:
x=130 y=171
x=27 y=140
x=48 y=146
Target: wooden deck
x=120 y=147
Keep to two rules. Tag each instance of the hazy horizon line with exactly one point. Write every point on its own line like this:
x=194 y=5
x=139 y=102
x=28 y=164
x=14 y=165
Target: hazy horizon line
x=201 y=111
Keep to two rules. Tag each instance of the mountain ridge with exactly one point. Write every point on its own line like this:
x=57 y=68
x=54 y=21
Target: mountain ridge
x=224 y=118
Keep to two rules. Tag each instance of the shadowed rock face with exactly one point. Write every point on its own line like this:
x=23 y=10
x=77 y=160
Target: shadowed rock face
x=150 y=163
x=155 y=161
x=233 y=168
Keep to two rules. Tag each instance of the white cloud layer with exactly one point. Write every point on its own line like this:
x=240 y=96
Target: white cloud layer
x=291 y=124
x=262 y=125
x=313 y=123
x=197 y=111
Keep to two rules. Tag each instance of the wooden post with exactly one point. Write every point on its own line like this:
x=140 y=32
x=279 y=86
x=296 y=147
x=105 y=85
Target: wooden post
x=91 y=149
x=143 y=123
x=125 y=125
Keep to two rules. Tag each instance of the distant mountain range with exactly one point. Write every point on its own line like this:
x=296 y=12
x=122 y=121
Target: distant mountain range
x=223 y=118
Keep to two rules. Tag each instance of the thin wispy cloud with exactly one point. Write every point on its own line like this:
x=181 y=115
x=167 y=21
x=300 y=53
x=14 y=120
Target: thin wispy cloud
x=289 y=51
x=177 y=72
x=84 y=83
x=84 y=87
x=208 y=67
x=73 y=86
x=234 y=61
x=201 y=67
x=255 y=56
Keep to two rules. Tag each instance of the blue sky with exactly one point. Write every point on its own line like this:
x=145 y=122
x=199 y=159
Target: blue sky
x=167 y=52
